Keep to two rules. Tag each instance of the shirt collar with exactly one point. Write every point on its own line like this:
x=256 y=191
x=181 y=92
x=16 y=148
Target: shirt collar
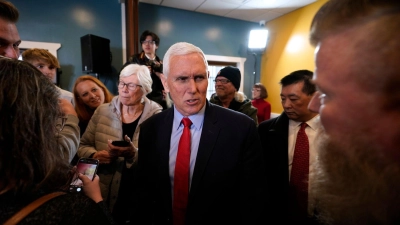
x=197 y=119
x=313 y=123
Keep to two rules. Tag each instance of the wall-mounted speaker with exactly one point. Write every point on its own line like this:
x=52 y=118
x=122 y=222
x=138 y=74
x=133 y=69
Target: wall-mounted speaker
x=96 y=54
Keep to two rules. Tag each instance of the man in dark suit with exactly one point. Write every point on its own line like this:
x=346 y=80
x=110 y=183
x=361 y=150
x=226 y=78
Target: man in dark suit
x=226 y=178
x=278 y=137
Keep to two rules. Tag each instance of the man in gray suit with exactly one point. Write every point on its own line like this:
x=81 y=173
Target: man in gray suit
x=226 y=178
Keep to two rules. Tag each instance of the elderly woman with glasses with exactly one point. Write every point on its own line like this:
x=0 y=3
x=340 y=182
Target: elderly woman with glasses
x=119 y=120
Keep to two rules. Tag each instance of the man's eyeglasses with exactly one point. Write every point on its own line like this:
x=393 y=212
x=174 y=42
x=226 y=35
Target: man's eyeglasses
x=148 y=42
x=131 y=86
x=222 y=81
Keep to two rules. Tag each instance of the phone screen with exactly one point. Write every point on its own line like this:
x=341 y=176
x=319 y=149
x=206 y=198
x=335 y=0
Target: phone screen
x=85 y=166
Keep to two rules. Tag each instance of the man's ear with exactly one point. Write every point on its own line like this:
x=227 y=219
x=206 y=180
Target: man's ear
x=164 y=82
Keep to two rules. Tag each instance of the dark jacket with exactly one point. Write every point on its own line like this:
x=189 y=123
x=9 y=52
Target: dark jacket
x=274 y=134
x=244 y=106
x=228 y=185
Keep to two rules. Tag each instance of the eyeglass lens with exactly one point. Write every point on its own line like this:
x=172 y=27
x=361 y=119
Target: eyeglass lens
x=148 y=42
x=222 y=81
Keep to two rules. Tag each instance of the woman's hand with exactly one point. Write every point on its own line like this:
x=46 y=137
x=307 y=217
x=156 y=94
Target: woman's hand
x=66 y=107
x=127 y=152
x=104 y=157
x=91 y=188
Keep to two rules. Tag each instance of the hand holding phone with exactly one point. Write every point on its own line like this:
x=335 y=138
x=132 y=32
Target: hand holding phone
x=121 y=143
x=85 y=166
x=91 y=188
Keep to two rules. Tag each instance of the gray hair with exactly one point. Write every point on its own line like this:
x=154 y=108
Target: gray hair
x=179 y=49
x=142 y=73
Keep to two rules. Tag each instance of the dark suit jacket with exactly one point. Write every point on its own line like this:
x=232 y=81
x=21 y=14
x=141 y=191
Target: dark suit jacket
x=274 y=140
x=274 y=135
x=228 y=184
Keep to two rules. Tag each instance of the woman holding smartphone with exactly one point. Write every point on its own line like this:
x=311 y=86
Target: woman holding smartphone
x=119 y=120
x=29 y=165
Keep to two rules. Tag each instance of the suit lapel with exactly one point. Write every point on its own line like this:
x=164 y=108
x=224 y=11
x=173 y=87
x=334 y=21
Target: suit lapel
x=162 y=141
x=164 y=136
x=208 y=139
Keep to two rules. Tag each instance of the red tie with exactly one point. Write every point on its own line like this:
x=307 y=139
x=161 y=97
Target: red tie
x=299 y=175
x=181 y=177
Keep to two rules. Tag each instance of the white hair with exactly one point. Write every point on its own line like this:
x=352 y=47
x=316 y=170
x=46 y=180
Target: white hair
x=142 y=73
x=180 y=48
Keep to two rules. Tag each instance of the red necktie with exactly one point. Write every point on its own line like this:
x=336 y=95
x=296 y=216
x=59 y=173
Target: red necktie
x=181 y=177
x=299 y=175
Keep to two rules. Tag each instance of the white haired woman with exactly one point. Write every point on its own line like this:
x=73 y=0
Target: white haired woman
x=115 y=121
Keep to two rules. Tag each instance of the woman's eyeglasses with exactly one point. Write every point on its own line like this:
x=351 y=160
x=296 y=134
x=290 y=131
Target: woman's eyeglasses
x=131 y=86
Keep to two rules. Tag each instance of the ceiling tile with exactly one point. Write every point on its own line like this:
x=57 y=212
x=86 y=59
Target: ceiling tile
x=219 y=8
x=248 y=10
x=191 y=5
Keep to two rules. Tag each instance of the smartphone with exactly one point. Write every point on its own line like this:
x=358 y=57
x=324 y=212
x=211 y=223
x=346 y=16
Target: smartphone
x=86 y=166
x=121 y=143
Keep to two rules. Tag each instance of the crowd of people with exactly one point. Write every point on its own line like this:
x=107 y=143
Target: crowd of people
x=329 y=158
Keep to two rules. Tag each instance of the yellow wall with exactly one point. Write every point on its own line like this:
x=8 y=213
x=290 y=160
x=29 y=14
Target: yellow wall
x=288 y=50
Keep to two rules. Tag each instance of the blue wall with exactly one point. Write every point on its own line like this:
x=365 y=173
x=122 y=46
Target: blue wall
x=175 y=25
x=66 y=21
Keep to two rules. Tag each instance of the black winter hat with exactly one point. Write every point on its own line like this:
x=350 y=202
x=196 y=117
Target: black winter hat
x=231 y=73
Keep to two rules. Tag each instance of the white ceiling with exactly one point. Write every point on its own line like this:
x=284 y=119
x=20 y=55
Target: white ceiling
x=248 y=10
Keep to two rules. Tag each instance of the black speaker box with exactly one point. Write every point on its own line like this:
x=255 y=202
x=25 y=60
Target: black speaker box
x=96 y=54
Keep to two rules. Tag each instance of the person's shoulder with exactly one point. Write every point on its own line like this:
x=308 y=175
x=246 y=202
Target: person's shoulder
x=105 y=106
x=277 y=121
x=65 y=93
x=247 y=104
x=158 y=117
x=154 y=106
x=76 y=207
x=214 y=99
x=72 y=201
x=227 y=114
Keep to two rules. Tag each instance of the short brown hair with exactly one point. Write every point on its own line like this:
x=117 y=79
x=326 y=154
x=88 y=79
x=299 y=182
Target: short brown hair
x=8 y=11
x=33 y=54
x=263 y=90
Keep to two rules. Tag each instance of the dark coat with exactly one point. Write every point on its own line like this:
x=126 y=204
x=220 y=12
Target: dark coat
x=274 y=140
x=274 y=135
x=228 y=185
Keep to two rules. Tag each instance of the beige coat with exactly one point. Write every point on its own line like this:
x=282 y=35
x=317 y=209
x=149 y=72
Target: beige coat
x=105 y=124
